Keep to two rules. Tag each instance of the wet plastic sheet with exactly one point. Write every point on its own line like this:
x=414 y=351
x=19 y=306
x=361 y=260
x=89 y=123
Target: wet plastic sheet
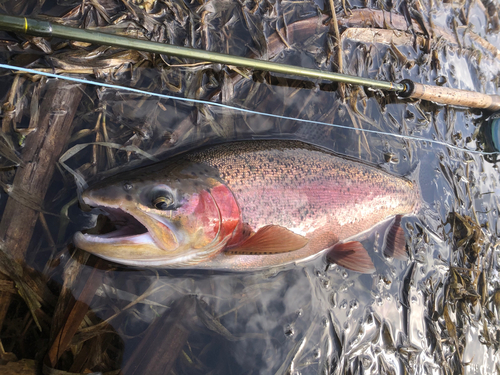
x=429 y=314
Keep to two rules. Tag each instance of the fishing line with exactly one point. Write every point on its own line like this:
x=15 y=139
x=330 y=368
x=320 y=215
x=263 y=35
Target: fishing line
x=249 y=111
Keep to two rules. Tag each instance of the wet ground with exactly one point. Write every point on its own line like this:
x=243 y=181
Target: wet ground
x=435 y=313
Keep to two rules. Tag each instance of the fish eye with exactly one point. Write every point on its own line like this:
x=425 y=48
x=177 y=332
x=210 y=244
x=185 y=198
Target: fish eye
x=164 y=202
x=127 y=186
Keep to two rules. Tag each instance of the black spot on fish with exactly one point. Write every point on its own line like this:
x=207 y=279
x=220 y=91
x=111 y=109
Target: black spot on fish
x=128 y=197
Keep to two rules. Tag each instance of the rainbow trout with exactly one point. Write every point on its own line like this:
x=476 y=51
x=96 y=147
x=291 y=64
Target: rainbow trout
x=248 y=206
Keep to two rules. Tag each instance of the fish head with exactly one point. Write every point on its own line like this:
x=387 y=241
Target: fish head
x=175 y=217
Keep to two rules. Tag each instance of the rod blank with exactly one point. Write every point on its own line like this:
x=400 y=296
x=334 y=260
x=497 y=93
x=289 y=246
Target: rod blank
x=44 y=28
x=405 y=88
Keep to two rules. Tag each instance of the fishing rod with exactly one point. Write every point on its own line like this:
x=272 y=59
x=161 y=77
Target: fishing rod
x=405 y=88
x=492 y=149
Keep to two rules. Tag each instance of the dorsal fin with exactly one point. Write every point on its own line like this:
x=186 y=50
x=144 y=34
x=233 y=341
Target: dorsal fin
x=271 y=239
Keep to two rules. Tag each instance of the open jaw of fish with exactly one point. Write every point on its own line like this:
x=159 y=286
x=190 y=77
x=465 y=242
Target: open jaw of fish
x=128 y=235
x=249 y=206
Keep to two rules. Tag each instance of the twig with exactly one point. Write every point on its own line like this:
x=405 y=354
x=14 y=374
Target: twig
x=339 y=47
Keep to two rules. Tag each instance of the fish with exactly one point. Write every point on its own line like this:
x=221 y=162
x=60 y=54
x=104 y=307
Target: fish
x=248 y=206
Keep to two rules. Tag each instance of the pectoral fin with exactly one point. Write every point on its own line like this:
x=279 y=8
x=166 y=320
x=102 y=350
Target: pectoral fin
x=271 y=239
x=395 y=244
x=351 y=255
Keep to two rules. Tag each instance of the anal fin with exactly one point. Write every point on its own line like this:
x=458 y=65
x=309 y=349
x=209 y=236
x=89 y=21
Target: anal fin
x=395 y=243
x=351 y=255
x=271 y=239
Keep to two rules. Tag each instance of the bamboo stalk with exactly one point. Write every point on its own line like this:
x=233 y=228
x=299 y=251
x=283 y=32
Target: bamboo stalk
x=76 y=311
x=40 y=155
x=162 y=343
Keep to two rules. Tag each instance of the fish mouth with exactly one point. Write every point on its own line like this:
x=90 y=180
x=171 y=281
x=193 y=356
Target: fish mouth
x=121 y=227
x=130 y=238
x=125 y=225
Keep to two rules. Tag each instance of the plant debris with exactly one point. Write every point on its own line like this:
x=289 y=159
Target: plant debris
x=65 y=311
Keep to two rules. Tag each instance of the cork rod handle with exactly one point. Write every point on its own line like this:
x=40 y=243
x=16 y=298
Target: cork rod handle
x=446 y=95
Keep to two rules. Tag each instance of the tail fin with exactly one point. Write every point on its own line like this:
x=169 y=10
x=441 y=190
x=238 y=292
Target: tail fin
x=395 y=242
